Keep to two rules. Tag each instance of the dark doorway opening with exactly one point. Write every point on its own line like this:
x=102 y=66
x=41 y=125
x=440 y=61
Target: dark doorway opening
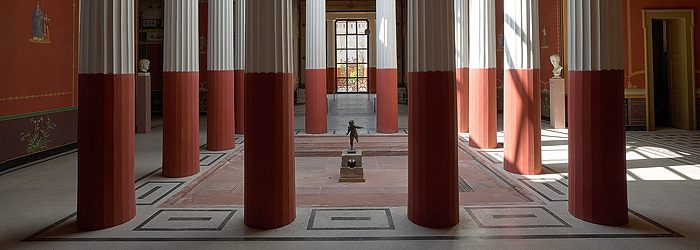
x=661 y=75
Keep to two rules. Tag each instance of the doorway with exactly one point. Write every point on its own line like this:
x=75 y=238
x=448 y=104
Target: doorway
x=670 y=77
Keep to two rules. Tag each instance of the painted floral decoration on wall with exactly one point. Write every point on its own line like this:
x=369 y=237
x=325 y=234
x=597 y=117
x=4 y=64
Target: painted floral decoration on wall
x=38 y=139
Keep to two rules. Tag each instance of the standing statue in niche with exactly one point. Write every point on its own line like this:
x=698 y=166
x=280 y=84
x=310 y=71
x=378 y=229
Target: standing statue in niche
x=556 y=62
x=352 y=131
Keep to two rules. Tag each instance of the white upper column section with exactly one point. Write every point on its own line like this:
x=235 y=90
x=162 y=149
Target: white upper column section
x=521 y=34
x=595 y=35
x=372 y=43
x=386 y=36
x=107 y=37
x=482 y=34
x=220 y=55
x=240 y=35
x=431 y=36
x=330 y=43
x=180 y=50
x=316 y=34
x=462 y=33
x=269 y=41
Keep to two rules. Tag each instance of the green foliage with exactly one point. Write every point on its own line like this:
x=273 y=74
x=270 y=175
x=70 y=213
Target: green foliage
x=38 y=139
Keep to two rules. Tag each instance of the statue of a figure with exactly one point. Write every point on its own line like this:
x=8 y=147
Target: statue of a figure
x=352 y=131
x=144 y=65
x=556 y=62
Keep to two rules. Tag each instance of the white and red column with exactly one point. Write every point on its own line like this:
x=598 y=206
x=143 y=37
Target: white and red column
x=239 y=72
x=106 y=117
x=269 y=200
x=221 y=129
x=433 y=199
x=387 y=93
x=461 y=10
x=316 y=108
x=521 y=112
x=180 y=89
x=482 y=74
x=372 y=73
x=597 y=167
x=330 y=56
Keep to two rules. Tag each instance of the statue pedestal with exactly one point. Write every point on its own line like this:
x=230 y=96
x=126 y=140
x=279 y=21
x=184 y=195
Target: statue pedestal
x=349 y=173
x=143 y=102
x=557 y=103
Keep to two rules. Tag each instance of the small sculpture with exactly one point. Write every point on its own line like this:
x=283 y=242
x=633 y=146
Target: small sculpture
x=556 y=62
x=352 y=163
x=144 y=65
x=544 y=38
x=352 y=131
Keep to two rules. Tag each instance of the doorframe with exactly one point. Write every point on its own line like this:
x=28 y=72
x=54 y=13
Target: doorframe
x=688 y=16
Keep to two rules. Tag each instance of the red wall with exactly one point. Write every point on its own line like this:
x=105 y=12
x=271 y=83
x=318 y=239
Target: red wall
x=38 y=76
x=633 y=21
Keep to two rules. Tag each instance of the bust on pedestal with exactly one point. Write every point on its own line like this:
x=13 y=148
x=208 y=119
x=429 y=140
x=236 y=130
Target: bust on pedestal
x=143 y=98
x=351 y=161
x=557 y=99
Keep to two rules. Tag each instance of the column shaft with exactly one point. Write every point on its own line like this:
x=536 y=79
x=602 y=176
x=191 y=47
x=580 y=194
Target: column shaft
x=433 y=199
x=482 y=74
x=462 y=63
x=387 y=99
x=221 y=130
x=269 y=200
x=316 y=108
x=521 y=115
x=106 y=117
x=372 y=73
x=181 y=89
x=239 y=74
x=597 y=167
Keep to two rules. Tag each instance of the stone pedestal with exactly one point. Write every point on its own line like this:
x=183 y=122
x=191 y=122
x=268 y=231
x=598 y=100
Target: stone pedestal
x=143 y=102
x=349 y=173
x=557 y=103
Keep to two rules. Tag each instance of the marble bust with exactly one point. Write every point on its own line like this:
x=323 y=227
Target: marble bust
x=144 y=65
x=556 y=62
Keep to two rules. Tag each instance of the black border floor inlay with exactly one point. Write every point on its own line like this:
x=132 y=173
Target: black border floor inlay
x=140 y=227
x=179 y=184
x=312 y=217
x=554 y=189
x=207 y=155
x=481 y=225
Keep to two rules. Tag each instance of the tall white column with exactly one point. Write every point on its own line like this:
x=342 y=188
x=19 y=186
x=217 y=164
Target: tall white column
x=106 y=116
x=461 y=9
x=316 y=120
x=269 y=115
x=433 y=199
x=239 y=72
x=482 y=74
x=221 y=130
x=387 y=99
x=597 y=164
x=181 y=89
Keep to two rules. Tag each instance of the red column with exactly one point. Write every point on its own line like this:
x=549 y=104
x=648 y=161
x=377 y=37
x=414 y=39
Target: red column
x=597 y=167
x=239 y=97
x=387 y=99
x=106 y=118
x=482 y=74
x=521 y=112
x=221 y=131
x=180 y=90
x=433 y=199
x=462 y=83
x=316 y=107
x=269 y=200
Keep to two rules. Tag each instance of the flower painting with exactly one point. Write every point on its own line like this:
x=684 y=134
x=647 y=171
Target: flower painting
x=38 y=138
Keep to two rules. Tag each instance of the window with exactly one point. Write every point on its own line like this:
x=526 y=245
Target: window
x=352 y=56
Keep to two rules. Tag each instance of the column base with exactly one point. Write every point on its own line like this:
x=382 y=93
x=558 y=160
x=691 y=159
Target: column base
x=239 y=97
x=221 y=127
x=316 y=107
x=433 y=199
x=482 y=108
x=180 y=124
x=387 y=102
x=462 y=83
x=522 y=118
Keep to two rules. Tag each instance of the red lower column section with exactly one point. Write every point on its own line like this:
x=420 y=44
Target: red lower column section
x=521 y=126
x=372 y=79
x=462 y=81
x=387 y=102
x=597 y=166
x=106 y=121
x=180 y=124
x=432 y=149
x=316 y=109
x=221 y=127
x=239 y=98
x=482 y=108
x=330 y=80
x=269 y=199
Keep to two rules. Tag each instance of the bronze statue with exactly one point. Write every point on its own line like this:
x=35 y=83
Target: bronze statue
x=352 y=131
